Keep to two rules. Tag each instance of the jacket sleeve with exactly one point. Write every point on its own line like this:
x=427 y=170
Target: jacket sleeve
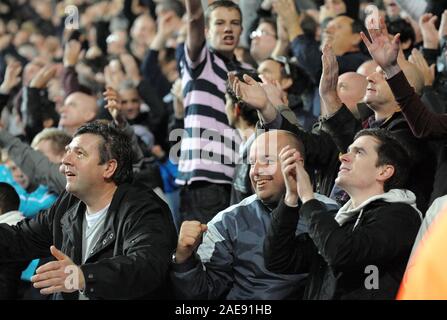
x=10 y=280
x=432 y=100
x=151 y=98
x=342 y=127
x=375 y=241
x=33 y=100
x=70 y=81
x=284 y=251
x=423 y=122
x=211 y=277
x=28 y=240
x=33 y=163
x=143 y=268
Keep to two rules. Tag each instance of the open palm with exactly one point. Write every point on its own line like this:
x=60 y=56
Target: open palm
x=250 y=91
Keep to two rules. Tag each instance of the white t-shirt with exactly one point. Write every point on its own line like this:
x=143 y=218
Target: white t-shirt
x=92 y=228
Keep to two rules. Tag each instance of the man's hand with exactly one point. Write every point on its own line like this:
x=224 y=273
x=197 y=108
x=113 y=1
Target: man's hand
x=254 y=94
x=286 y=11
x=113 y=74
x=12 y=77
x=288 y=158
x=72 y=53
x=176 y=91
x=383 y=50
x=249 y=90
x=44 y=76
x=329 y=80
x=56 y=276
x=190 y=236
x=165 y=29
x=131 y=68
x=114 y=106
x=429 y=32
x=419 y=61
x=274 y=92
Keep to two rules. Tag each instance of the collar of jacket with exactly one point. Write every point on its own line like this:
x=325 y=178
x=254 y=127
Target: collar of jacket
x=389 y=123
x=71 y=224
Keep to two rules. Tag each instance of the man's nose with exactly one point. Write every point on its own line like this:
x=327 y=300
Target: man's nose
x=344 y=157
x=66 y=160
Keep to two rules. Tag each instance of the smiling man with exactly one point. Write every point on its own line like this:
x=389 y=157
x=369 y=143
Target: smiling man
x=110 y=239
x=362 y=251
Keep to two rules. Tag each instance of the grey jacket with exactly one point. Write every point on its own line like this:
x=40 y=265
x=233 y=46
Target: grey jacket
x=230 y=263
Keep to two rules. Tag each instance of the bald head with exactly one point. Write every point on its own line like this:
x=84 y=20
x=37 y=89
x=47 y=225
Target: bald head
x=78 y=109
x=351 y=88
x=275 y=140
x=413 y=75
x=265 y=171
x=367 y=68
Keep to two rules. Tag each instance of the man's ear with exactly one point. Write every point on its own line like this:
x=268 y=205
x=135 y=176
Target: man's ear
x=110 y=169
x=286 y=83
x=385 y=173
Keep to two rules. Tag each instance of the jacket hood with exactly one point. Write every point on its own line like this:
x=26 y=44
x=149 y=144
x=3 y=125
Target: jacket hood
x=394 y=195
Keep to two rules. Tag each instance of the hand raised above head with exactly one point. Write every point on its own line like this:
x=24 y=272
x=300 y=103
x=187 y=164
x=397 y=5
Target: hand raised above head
x=383 y=48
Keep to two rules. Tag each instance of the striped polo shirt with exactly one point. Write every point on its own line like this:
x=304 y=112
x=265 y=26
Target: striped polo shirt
x=208 y=150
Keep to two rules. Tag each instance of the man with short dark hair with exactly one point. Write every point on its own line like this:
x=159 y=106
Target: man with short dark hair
x=111 y=240
x=374 y=230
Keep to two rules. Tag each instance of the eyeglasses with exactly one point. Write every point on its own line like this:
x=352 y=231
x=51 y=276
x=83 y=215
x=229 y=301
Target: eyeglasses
x=259 y=33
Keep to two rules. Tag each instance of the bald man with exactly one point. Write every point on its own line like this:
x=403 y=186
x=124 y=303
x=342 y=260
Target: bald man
x=367 y=67
x=78 y=109
x=351 y=89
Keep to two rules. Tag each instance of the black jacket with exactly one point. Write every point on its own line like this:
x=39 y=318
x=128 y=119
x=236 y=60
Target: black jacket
x=335 y=256
x=131 y=258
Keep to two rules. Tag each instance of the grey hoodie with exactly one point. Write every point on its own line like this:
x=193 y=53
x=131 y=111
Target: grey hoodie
x=347 y=212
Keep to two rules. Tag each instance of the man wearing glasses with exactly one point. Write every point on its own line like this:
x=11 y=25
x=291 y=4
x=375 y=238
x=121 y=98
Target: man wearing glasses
x=263 y=40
